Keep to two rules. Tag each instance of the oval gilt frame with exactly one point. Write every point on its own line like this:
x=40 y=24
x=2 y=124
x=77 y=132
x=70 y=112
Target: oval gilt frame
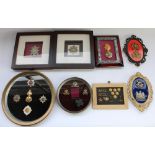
x=143 y=106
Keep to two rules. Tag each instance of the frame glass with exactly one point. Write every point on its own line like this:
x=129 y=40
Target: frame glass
x=108 y=51
x=110 y=96
x=32 y=51
x=74 y=95
x=135 y=50
x=28 y=98
x=73 y=50
x=140 y=91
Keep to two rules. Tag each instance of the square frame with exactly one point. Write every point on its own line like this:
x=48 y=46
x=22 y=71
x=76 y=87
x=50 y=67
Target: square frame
x=16 y=66
x=115 y=59
x=110 y=86
x=90 y=65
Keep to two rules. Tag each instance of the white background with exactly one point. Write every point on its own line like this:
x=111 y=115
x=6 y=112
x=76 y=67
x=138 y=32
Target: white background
x=75 y=14
x=90 y=117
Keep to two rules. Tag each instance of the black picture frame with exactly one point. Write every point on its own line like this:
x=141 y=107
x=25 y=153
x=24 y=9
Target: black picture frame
x=31 y=66
x=90 y=65
x=145 y=50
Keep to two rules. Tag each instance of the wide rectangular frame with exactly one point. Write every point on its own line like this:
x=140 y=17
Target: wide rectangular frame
x=31 y=66
x=72 y=65
x=120 y=64
x=124 y=106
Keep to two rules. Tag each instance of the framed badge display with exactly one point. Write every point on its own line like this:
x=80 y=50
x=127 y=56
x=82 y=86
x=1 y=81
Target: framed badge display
x=28 y=98
x=74 y=95
x=135 y=50
x=110 y=96
x=140 y=91
x=108 y=51
x=73 y=50
x=32 y=51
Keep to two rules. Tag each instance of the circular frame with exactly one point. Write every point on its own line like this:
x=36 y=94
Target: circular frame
x=58 y=91
x=10 y=116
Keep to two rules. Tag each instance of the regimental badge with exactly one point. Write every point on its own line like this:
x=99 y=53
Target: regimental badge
x=16 y=98
x=135 y=50
x=75 y=84
x=85 y=92
x=30 y=83
x=43 y=99
x=73 y=49
x=27 y=110
x=29 y=96
x=110 y=96
x=140 y=91
x=34 y=50
x=66 y=92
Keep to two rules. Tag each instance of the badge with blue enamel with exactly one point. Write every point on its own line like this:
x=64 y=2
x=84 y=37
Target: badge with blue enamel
x=140 y=91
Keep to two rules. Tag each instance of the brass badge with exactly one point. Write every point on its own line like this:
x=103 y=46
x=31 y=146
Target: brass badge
x=85 y=92
x=135 y=48
x=66 y=92
x=29 y=98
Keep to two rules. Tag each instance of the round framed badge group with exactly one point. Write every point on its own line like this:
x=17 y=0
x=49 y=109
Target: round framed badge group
x=74 y=95
x=29 y=97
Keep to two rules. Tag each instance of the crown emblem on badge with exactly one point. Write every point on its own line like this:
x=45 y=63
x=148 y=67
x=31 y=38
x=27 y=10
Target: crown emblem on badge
x=139 y=84
x=140 y=95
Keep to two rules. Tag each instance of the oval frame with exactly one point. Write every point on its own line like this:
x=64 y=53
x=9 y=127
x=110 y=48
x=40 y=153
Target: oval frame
x=72 y=78
x=145 y=50
x=140 y=107
x=29 y=123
